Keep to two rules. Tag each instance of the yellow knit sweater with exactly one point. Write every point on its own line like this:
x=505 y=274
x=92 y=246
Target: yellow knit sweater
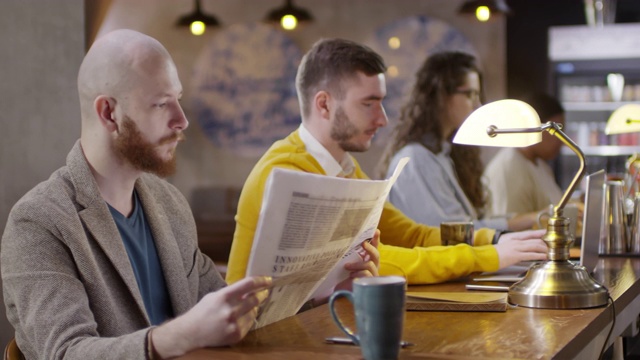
x=407 y=248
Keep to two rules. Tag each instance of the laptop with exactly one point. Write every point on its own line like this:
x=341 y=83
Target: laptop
x=593 y=221
x=591 y=226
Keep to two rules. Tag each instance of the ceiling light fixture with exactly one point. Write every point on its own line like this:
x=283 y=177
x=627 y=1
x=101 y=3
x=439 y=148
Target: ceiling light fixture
x=288 y=16
x=197 y=21
x=484 y=9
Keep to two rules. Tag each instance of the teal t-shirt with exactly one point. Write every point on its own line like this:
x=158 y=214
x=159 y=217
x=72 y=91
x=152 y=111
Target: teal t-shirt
x=141 y=248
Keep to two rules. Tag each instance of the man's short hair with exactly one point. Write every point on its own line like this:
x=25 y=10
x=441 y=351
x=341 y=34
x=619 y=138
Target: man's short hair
x=329 y=63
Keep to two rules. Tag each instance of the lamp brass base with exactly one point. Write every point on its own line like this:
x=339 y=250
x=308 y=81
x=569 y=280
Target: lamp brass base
x=558 y=284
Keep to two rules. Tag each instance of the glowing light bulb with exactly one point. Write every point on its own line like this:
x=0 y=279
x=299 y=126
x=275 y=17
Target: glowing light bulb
x=394 y=42
x=197 y=28
x=289 y=22
x=483 y=13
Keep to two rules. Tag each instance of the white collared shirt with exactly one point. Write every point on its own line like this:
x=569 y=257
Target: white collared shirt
x=323 y=156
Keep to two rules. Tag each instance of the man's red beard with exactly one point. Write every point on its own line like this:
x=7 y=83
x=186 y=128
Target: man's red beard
x=141 y=154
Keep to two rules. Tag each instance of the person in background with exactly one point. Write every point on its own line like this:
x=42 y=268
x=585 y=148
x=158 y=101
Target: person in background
x=519 y=179
x=340 y=86
x=442 y=182
x=101 y=260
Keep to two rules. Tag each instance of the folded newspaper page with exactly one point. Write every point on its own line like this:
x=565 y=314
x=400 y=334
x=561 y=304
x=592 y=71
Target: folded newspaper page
x=311 y=225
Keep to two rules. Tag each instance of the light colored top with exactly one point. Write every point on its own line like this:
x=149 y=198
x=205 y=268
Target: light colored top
x=517 y=185
x=428 y=190
x=407 y=248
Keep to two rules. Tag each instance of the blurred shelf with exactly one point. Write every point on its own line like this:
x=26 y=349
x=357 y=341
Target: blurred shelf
x=595 y=106
x=604 y=150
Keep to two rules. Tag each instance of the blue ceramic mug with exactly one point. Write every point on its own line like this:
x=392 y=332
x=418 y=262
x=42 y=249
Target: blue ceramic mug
x=379 y=304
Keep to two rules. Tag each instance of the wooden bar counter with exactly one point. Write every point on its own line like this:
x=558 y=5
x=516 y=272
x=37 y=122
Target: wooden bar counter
x=518 y=333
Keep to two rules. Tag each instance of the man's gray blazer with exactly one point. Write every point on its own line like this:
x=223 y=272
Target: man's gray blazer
x=68 y=285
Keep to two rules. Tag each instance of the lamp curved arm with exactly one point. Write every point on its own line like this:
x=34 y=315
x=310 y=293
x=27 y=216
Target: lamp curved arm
x=555 y=130
x=492 y=130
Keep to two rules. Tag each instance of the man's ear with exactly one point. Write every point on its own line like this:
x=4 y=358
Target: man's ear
x=105 y=109
x=323 y=104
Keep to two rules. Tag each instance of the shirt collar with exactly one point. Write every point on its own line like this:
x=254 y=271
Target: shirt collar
x=429 y=139
x=323 y=157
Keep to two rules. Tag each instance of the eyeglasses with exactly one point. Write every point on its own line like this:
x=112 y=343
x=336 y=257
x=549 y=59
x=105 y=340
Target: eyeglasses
x=471 y=94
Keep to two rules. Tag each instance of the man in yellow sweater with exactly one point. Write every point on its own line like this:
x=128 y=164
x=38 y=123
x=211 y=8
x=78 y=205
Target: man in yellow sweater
x=340 y=87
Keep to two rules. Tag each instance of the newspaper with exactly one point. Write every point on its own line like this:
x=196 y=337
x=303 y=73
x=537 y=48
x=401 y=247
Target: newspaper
x=310 y=225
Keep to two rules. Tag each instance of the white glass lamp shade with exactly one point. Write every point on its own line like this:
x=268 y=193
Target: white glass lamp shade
x=619 y=122
x=506 y=114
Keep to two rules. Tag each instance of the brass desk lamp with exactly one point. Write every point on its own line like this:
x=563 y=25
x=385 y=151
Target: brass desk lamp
x=555 y=283
x=625 y=119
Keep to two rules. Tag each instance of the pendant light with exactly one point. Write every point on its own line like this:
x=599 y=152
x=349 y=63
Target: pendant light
x=197 y=21
x=484 y=9
x=288 y=16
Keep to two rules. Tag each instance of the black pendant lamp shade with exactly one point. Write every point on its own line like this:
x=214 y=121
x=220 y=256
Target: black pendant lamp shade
x=300 y=14
x=197 y=15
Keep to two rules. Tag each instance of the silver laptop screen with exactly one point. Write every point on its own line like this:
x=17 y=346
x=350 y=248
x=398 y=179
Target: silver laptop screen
x=592 y=220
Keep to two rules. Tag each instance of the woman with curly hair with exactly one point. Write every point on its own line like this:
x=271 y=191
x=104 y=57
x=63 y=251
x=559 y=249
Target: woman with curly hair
x=442 y=182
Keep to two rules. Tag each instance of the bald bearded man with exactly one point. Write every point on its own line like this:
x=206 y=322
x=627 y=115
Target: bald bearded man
x=101 y=260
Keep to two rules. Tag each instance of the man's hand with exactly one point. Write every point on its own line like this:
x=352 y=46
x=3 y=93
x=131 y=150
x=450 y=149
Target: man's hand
x=367 y=267
x=220 y=318
x=521 y=246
